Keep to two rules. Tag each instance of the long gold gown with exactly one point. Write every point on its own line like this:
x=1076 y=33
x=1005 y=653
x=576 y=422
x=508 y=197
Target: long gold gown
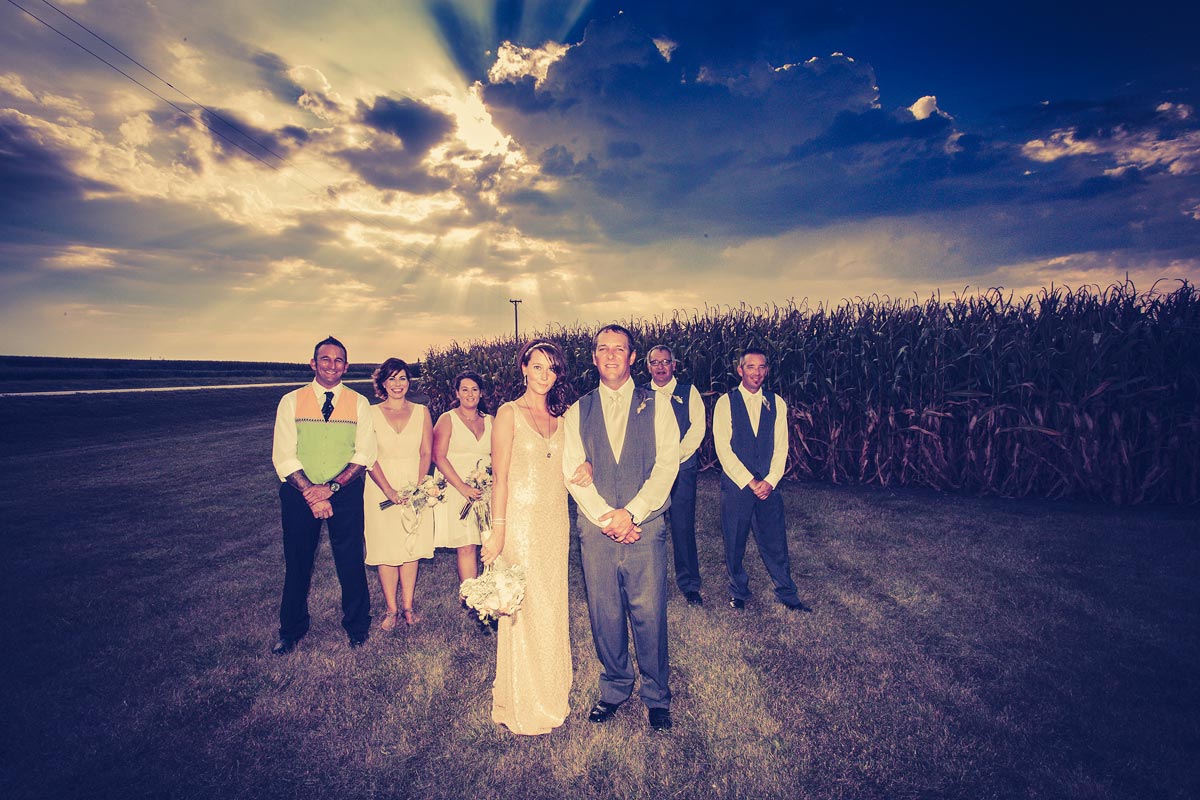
x=533 y=648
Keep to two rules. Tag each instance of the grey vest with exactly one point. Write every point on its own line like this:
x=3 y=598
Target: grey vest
x=620 y=483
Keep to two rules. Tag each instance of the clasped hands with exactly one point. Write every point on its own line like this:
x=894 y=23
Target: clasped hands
x=618 y=526
x=317 y=496
x=762 y=490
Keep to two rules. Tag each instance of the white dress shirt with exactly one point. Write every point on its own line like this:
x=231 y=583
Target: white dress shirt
x=697 y=424
x=655 y=490
x=283 y=449
x=731 y=465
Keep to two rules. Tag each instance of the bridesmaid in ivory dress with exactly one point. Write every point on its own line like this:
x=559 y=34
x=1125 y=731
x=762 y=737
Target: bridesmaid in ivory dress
x=404 y=431
x=530 y=527
x=462 y=440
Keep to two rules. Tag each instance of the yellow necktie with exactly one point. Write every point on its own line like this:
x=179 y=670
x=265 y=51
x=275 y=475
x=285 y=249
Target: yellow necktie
x=615 y=422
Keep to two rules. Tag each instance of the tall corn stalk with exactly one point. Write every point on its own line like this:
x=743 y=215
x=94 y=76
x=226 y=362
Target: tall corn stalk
x=1088 y=393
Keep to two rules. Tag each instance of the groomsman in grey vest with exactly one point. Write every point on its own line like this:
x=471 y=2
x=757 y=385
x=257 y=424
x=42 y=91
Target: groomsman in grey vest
x=631 y=440
x=750 y=433
x=685 y=402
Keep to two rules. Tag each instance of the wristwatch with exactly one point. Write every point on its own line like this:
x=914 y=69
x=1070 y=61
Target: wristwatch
x=334 y=486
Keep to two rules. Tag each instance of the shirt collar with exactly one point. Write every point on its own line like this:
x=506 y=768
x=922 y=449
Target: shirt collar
x=625 y=392
x=668 y=387
x=751 y=397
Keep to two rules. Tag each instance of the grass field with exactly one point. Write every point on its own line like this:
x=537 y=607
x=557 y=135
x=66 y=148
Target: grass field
x=44 y=373
x=961 y=648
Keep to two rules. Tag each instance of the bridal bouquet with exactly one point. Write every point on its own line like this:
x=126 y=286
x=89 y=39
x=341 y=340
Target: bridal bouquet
x=479 y=478
x=415 y=498
x=496 y=593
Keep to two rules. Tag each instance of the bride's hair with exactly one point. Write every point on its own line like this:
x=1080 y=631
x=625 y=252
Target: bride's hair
x=558 y=399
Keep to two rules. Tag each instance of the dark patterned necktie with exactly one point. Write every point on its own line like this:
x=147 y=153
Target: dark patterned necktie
x=327 y=409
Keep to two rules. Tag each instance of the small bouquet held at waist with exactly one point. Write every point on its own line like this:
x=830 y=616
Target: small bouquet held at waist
x=498 y=592
x=479 y=478
x=416 y=498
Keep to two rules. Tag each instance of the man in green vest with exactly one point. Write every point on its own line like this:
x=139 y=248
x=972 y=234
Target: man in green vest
x=324 y=441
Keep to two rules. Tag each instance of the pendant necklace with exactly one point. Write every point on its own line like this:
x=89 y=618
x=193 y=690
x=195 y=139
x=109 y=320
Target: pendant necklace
x=538 y=428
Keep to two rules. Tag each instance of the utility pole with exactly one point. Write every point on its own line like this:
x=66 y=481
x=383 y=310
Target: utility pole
x=516 y=327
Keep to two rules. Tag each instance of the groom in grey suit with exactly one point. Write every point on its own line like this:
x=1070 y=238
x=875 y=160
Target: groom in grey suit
x=632 y=444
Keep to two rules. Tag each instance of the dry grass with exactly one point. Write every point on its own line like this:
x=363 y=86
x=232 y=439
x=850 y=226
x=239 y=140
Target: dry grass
x=961 y=647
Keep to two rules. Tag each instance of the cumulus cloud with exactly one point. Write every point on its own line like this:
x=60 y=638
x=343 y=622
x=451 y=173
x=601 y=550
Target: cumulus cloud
x=642 y=146
x=416 y=124
x=34 y=173
x=514 y=63
x=926 y=107
x=705 y=139
x=1126 y=149
x=234 y=137
x=317 y=94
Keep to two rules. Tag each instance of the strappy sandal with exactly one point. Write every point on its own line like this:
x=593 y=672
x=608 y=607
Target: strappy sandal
x=389 y=621
x=411 y=617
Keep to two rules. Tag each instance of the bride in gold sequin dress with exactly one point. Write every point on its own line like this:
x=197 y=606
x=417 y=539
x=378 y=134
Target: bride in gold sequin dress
x=531 y=527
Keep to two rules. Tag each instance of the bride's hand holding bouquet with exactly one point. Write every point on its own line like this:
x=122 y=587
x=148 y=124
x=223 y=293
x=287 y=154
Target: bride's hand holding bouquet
x=493 y=545
x=499 y=591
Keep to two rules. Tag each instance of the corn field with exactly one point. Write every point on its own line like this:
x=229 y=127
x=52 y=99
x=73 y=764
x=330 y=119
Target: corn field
x=1091 y=394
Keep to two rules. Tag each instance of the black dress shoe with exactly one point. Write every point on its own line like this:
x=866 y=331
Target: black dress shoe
x=358 y=641
x=737 y=602
x=660 y=719
x=602 y=711
x=694 y=598
x=283 y=646
x=797 y=605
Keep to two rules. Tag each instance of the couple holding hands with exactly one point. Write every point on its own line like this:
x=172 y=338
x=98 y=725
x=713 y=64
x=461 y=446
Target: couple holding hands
x=540 y=448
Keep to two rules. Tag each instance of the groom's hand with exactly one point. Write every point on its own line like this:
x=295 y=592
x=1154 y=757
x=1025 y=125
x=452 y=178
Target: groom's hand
x=322 y=509
x=618 y=526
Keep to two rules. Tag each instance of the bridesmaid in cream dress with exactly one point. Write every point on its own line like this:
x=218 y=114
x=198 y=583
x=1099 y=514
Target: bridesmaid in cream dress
x=530 y=527
x=405 y=435
x=462 y=439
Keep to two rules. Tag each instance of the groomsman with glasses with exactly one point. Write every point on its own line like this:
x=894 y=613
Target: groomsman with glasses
x=684 y=401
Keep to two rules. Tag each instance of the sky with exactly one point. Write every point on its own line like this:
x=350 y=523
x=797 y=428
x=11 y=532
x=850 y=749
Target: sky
x=240 y=180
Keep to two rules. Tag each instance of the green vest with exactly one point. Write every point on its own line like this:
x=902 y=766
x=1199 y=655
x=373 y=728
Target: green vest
x=325 y=448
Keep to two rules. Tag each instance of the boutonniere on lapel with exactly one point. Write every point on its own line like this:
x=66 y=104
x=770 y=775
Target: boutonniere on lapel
x=766 y=403
x=677 y=399
x=641 y=408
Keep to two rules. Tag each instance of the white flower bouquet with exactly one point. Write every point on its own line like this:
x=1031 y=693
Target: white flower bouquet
x=416 y=498
x=479 y=478
x=427 y=493
x=498 y=592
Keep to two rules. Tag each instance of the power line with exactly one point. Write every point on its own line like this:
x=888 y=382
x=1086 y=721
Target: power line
x=181 y=110
x=167 y=83
x=417 y=254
